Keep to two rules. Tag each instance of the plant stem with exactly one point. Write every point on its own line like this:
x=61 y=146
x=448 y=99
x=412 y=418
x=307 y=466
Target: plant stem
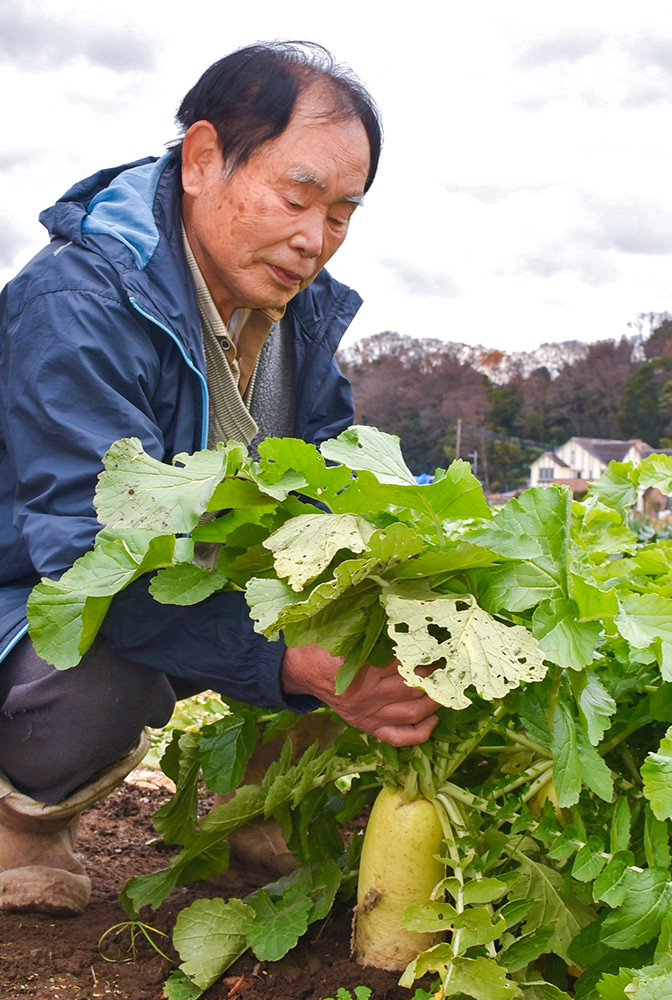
x=436 y=521
x=523 y=741
x=611 y=744
x=630 y=765
x=537 y=773
x=450 y=816
x=460 y=754
x=543 y=775
x=461 y=795
x=556 y=677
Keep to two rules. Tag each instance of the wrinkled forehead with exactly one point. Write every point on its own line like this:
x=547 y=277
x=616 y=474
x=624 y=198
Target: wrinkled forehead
x=323 y=99
x=323 y=102
x=321 y=142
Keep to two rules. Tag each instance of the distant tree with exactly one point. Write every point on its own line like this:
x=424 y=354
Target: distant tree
x=508 y=453
x=584 y=400
x=665 y=410
x=422 y=449
x=659 y=344
x=646 y=404
x=535 y=414
x=509 y=464
x=506 y=408
x=419 y=397
x=641 y=414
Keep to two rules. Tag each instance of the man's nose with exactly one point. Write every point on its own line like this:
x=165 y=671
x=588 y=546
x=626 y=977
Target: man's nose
x=308 y=236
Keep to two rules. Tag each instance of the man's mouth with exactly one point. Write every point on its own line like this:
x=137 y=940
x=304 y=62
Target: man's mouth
x=289 y=278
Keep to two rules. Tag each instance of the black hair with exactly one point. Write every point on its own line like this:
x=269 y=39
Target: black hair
x=250 y=96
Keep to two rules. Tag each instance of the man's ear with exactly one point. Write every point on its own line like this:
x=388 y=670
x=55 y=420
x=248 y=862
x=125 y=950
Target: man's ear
x=200 y=154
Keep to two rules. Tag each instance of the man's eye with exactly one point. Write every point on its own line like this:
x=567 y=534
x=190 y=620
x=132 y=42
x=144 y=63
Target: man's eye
x=293 y=204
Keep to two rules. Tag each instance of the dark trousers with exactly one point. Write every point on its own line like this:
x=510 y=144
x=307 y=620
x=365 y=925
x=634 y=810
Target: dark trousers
x=59 y=727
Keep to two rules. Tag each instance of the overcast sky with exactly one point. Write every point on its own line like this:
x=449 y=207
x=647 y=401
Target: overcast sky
x=525 y=191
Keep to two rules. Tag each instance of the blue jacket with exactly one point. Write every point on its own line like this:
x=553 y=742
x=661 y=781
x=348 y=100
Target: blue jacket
x=100 y=339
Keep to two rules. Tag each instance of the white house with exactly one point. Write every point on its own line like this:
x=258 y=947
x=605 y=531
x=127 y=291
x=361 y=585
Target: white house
x=579 y=461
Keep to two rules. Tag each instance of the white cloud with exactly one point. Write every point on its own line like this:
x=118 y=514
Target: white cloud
x=566 y=47
x=418 y=282
x=16 y=159
x=34 y=39
x=489 y=194
x=555 y=259
x=12 y=239
x=632 y=225
x=652 y=50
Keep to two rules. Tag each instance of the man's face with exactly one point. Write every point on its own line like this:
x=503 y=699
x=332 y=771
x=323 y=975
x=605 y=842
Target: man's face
x=262 y=234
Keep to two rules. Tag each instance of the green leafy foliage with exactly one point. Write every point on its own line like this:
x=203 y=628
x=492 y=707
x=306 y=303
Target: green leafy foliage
x=278 y=925
x=542 y=630
x=361 y=993
x=209 y=935
x=66 y=614
x=657 y=774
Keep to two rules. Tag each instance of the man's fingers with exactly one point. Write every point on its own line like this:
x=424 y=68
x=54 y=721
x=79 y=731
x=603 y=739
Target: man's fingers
x=406 y=736
x=408 y=721
x=378 y=701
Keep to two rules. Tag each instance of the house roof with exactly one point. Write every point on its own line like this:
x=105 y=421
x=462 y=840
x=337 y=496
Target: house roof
x=610 y=449
x=553 y=457
x=647 y=450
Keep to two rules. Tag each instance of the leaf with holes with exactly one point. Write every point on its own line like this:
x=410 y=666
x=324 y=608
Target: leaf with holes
x=304 y=546
x=477 y=651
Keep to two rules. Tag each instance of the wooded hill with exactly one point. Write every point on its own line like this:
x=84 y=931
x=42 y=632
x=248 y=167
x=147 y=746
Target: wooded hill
x=501 y=410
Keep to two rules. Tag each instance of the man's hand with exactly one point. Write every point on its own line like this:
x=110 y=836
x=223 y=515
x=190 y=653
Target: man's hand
x=377 y=701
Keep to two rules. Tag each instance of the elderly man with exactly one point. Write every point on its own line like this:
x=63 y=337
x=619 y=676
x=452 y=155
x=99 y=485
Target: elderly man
x=182 y=301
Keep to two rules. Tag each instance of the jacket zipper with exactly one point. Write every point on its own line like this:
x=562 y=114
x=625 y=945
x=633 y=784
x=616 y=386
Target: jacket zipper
x=201 y=378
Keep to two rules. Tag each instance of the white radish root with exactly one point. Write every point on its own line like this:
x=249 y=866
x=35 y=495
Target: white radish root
x=397 y=869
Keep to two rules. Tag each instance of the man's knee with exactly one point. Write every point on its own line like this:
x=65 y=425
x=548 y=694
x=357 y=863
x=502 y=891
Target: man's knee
x=59 y=728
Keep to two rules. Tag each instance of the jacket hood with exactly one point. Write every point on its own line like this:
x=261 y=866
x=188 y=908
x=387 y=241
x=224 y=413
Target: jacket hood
x=117 y=202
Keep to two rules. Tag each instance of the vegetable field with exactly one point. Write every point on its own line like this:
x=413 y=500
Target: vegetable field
x=48 y=959
x=539 y=867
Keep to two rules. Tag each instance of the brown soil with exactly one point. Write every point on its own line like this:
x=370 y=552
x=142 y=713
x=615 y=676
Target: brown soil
x=48 y=958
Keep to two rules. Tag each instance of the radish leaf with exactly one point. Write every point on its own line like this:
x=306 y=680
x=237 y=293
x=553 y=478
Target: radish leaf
x=477 y=651
x=209 y=935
